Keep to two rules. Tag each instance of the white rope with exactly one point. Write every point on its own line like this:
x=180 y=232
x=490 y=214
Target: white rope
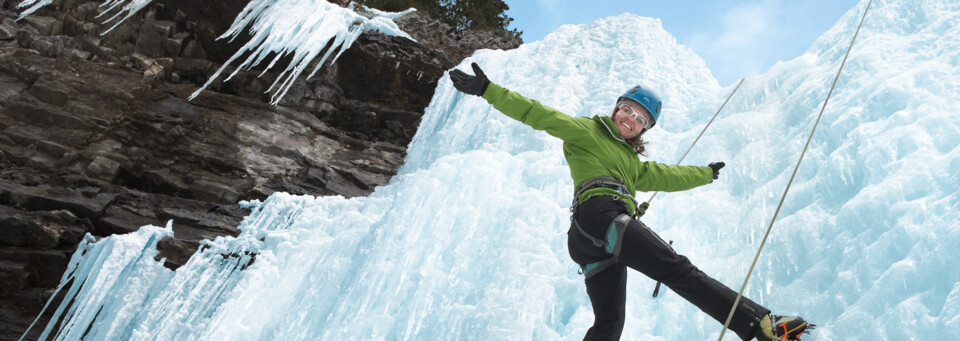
x=643 y=207
x=775 y=213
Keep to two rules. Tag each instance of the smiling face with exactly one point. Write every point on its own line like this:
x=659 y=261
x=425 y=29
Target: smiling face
x=625 y=122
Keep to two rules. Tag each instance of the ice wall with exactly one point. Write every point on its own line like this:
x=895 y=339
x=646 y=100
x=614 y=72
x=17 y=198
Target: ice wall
x=468 y=242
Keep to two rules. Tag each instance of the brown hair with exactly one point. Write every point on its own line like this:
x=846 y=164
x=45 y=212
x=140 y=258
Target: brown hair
x=638 y=145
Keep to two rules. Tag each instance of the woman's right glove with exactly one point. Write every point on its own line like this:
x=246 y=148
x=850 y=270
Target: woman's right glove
x=471 y=85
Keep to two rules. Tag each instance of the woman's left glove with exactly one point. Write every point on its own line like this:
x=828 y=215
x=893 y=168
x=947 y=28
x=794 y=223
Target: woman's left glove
x=471 y=85
x=716 y=168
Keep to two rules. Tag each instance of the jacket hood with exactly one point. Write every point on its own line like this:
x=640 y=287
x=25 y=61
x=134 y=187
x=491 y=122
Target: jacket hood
x=607 y=122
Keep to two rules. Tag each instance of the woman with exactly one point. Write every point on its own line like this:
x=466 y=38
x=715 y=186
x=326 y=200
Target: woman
x=604 y=238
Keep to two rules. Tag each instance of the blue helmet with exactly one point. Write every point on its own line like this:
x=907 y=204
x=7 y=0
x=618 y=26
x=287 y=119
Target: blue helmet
x=647 y=98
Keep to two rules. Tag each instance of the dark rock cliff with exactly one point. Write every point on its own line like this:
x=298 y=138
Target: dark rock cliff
x=97 y=135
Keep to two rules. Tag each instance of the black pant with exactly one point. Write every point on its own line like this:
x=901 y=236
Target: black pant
x=644 y=251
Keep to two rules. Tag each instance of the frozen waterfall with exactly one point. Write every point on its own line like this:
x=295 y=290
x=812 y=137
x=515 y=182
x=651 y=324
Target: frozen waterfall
x=468 y=242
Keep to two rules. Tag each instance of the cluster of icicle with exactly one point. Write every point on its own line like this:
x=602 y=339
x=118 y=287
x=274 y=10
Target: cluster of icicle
x=301 y=29
x=118 y=281
x=112 y=8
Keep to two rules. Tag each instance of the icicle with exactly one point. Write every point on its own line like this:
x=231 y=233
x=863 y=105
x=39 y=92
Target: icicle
x=33 y=5
x=97 y=276
x=298 y=27
x=130 y=7
x=68 y=275
x=301 y=29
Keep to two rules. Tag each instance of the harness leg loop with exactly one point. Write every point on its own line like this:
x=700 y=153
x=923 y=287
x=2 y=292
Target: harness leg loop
x=611 y=245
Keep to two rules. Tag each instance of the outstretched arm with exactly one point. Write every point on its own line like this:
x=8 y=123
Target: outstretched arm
x=514 y=105
x=659 y=177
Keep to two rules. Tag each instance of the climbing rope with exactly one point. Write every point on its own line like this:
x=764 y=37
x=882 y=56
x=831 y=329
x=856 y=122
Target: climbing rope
x=784 y=196
x=643 y=207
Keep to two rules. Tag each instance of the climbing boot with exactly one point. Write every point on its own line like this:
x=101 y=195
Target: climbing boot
x=782 y=328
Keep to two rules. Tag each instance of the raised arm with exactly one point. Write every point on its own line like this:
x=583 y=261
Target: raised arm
x=518 y=107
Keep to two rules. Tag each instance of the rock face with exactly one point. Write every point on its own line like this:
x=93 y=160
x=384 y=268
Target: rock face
x=97 y=135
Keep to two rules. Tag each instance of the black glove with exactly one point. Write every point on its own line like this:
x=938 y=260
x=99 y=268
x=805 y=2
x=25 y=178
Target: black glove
x=471 y=85
x=716 y=168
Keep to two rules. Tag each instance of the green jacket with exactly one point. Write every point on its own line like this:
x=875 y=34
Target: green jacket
x=593 y=147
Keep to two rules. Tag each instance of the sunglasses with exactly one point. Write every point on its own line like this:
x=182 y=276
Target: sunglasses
x=630 y=111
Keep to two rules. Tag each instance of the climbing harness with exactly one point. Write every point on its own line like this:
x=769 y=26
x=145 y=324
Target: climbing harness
x=598 y=182
x=795 y=168
x=642 y=208
x=611 y=242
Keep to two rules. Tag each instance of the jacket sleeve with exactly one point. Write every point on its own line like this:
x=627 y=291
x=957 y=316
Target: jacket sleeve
x=658 y=177
x=534 y=114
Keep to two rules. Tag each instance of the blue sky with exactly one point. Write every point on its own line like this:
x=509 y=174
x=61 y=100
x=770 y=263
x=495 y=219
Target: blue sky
x=737 y=38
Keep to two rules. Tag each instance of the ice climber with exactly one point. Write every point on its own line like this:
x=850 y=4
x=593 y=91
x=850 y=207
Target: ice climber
x=604 y=237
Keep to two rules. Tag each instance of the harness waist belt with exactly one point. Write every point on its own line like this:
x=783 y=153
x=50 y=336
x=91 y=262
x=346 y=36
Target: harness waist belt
x=600 y=181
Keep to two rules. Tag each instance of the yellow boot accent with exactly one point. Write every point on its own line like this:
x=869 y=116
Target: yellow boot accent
x=766 y=327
